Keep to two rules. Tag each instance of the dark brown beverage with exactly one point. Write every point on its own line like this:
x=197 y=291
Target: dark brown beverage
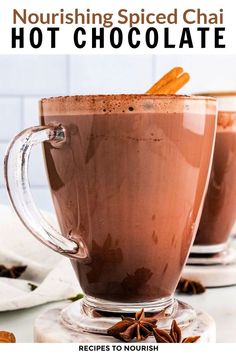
x=219 y=211
x=130 y=180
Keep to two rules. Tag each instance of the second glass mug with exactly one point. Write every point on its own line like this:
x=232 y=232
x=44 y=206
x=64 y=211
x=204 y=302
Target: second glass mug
x=219 y=212
x=128 y=174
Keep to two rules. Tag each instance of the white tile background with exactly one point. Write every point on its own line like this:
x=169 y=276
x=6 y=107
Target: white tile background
x=25 y=79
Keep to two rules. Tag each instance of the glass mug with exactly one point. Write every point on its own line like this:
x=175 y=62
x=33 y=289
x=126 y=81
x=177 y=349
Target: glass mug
x=219 y=212
x=127 y=174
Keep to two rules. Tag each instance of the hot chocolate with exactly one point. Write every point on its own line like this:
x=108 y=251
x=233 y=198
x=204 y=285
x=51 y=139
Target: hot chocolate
x=130 y=179
x=219 y=211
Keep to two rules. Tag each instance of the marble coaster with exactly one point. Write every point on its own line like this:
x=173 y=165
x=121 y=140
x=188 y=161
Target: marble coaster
x=211 y=275
x=49 y=329
x=216 y=271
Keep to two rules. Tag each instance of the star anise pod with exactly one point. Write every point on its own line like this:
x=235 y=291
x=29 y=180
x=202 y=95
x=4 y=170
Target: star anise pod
x=7 y=337
x=190 y=287
x=130 y=328
x=13 y=272
x=172 y=336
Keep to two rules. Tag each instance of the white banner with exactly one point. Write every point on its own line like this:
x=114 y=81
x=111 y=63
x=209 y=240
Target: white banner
x=117 y=27
x=116 y=348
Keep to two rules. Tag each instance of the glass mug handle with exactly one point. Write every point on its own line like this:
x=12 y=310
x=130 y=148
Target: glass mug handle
x=17 y=181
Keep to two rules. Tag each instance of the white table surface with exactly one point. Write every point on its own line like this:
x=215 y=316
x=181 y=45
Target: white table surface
x=220 y=303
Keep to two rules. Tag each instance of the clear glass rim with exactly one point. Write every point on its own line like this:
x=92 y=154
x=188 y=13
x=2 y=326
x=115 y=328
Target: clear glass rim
x=217 y=94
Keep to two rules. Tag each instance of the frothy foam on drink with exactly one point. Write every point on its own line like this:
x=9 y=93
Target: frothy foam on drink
x=106 y=104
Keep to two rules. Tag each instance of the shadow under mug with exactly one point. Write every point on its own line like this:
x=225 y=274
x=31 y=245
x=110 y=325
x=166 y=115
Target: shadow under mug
x=219 y=211
x=127 y=174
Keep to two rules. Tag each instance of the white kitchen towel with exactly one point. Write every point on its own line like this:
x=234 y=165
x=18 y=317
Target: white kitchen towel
x=49 y=271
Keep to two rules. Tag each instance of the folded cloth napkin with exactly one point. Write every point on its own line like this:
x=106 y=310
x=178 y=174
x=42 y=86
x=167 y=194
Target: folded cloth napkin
x=50 y=272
